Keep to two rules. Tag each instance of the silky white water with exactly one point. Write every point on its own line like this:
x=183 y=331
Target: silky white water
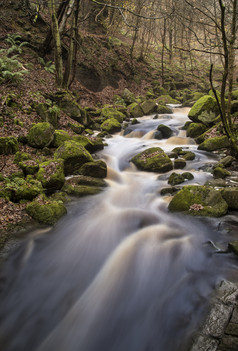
x=118 y=272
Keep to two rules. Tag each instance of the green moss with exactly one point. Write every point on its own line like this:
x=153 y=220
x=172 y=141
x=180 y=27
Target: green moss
x=8 y=145
x=60 y=136
x=161 y=109
x=76 y=127
x=51 y=175
x=175 y=179
x=215 y=143
x=111 y=126
x=149 y=107
x=230 y=195
x=199 y=201
x=21 y=189
x=179 y=163
x=112 y=113
x=83 y=185
x=166 y=99
x=21 y=156
x=220 y=172
x=74 y=156
x=195 y=129
x=47 y=211
x=165 y=131
x=205 y=103
x=186 y=155
x=29 y=166
x=41 y=135
x=96 y=169
x=135 y=110
x=153 y=160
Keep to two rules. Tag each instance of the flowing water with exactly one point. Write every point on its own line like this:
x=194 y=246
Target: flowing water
x=119 y=272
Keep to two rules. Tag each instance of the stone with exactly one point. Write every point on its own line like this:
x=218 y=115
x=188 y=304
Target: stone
x=165 y=131
x=46 y=211
x=83 y=186
x=128 y=96
x=111 y=126
x=74 y=156
x=23 y=189
x=8 y=145
x=166 y=99
x=135 y=121
x=206 y=103
x=199 y=201
x=220 y=172
x=162 y=109
x=195 y=129
x=97 y=169
x=48 y=113
x=76 y=127
x=179 y=163
x=135 y=110
x=186 y=155
x=29 y=166
x=60 y=136
x=51 y=175
x=41 y=135
x=230 y=195
x=70 y=106
x=175 y=179
x=227 y=161
x=108 y=113
x=215 y=143
x=153 y=160
x=149 y=107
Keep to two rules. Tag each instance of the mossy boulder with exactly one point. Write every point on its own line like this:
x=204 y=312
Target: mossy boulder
x=230 y=195
x=148 y=107
x=233 y=246
x=153 y=160
x=60 y=136
x=21 y=156
x=165 y=131
x=74 y=156
x=175 y=178
x=135 y=110
x=76 y=127
x=166 y=99
x=23 y=189
x=48 y=113
x=46 y=211
x=179 y=163
x=41 y=135
x=97 y=169
x=185 y=154
x=29 y=166
x=84 y=141
x=128 y=96
x=108 y=113
x=208 y=118
x=8 y=145
x=206 y=103
x=215 y=143
x=199 y=201
x=51 y=175
x=220 y=172
x=111 y=125
x=195 y=129
x=83 y=186
x=162 y=109
x=227 y=161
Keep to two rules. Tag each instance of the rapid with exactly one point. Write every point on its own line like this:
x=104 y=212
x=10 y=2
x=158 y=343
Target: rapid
x=118 y=272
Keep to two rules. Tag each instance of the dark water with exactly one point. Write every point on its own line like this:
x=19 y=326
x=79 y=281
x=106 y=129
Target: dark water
x=118 y=273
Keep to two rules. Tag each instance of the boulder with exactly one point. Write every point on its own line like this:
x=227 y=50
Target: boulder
x=220 y=173
x=46 y=211
x=195 y=129
x=166 y=99
x=135 y=110
x=29 y=166
x=185 y=154
x=8 y=145
x=83 y=186
x=108 y=113
x=70 y=106
x=51 y=175
x=74 y=156
x=175 y=179
x=76 y=127
x=208 y=118
x=60 y=136
x=23 y=189
x=165 y=131
x=179 y=163
x=40 y=135
x=128 y=96
x=230 y=195
x=215 y=143
x=199 y=201
x=97 y=169
x=162 y=109
x=206 y=103
x=48 y=113
x=153 y=160
x=148 y=107
x=111 y=126
x=227 y=161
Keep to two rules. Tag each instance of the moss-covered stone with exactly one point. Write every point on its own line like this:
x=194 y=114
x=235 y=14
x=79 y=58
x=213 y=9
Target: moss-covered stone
x=205 y=103
x=199 y=201
x=179 y=163
x=41 y=135
x=60 y=136
x=76 y=127
x=166 y=99
x=48 y=113
x=111 y=125
x=135 y=110
x=175 y=179
x=208 y=118
x=51 y=175
x=83 y=186
x=108 y=113
x=153 y=160
x=162 y=109
x=97 y=169
x=74 y=156
x=230 y=195
x=23 y=189
x=135 y=121
x=188 y=175
x=148 y=107
x=215 y=143
x=21 y=156
x=233 y=246
x=128 y=96
x=220 y=172
x=46 y=211
x=185 y=154
x=8 y=145
x=227 y=161
x=29 y=166
x=165 y=131
x=195 y=129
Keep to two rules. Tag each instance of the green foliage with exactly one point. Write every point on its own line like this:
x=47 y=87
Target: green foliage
x=48 y=66
x=16 y=45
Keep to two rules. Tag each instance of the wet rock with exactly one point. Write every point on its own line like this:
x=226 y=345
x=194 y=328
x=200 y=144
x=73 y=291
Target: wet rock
x=157 y=135
x=111 y=126
x=227 y=161
x=195 y=129
x=171 y=190
x=51 y=175
x=148 y=107
x=41 y=135
x=74 y=156
x=186 y=155
x=135 y=121
x=97 y=169
x=175 y=179
x=230 y=195
x=215 y=143
x=153 y=160
x=199 y=201
x=220 y=172
x=8 y=145
x=179 y=163
x=135 y=110
x=206 y=103
x=46 y=211
x=83 y=186
x=165 y=131
x=233 y=246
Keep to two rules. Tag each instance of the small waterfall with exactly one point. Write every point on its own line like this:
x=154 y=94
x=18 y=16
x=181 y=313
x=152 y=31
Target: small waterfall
x=119 y=272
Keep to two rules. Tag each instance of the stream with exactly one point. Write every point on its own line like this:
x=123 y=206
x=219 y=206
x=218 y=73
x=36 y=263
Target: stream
x=118 y=272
